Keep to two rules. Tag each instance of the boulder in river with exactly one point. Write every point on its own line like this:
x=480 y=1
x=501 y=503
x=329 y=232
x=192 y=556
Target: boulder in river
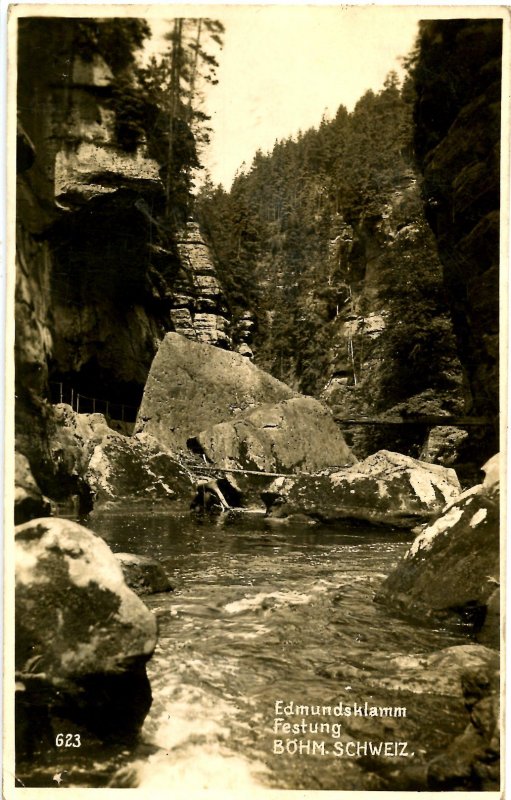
x=441 y=672
x=126 y=469
x=452 y=567
x=143 y=574
x=82 y=637
x=192 y=386
x=295 y=435
x=29 y=502
x=385 y=489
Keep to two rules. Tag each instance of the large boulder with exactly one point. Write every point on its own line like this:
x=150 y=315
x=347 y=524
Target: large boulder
x=143 y=574
x=452 y=567
x=192 y=386
x=385 y=489
x=112 y=468
x=82 y=637
x=29 y=501
x=296 y=435
x=131 y=470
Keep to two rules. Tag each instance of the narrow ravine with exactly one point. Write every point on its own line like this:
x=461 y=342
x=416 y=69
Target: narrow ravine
x=268 y=376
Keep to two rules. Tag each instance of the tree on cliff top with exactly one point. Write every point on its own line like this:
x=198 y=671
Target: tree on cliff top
x=117 y=41
x=160 y=102
x=173 y=85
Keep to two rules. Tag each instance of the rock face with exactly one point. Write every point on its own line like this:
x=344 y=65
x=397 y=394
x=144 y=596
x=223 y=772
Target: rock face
x=62 y=312
x=81 y=301
x=202 y=313
x=111 y=468
x=29 y=502
x=82 y=637
x=97 y=282
x=457 y=137
x=296 y=435
x=371 y=369
x=386 y=489
x=192 y=386
x=452 y=567
x=142 y=574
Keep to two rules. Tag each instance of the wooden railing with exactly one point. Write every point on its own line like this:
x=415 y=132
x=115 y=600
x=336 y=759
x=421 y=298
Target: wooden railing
x=84 y=404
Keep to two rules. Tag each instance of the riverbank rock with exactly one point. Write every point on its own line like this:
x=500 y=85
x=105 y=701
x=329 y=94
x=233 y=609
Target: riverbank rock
x=144 y=575
x=463 y=678
x=472 y=761
x=441 y=672
x=131 y=470
x=82 y=637
x=29 y=502
x=192 y=386
x=443 y=445
x=489 y=633
x=296 y=435
x=385 y=489
x=452 y=567
x=112 y=468
x=72 y=440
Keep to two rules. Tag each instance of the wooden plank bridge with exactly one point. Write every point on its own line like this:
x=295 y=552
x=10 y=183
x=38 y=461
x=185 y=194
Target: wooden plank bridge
x=427 y=420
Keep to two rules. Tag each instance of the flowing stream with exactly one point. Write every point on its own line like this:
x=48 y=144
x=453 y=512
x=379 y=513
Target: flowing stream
x=261 y=615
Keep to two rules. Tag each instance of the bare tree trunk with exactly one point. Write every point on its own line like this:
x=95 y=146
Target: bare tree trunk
x=175 y=72
x=193 y=75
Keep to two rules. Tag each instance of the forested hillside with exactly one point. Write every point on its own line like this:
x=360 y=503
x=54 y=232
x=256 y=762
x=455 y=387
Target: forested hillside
x=323 y=246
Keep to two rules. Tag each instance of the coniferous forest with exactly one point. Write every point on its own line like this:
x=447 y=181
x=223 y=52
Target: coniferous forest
x=292 y=239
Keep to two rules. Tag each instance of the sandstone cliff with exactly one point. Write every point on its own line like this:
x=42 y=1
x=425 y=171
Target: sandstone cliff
x=384 y=268
x=100 y=278
x=457 y=141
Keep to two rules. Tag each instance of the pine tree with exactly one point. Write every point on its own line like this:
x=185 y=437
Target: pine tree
x=173 y=86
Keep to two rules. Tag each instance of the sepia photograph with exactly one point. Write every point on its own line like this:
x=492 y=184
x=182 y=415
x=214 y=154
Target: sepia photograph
x=257 y=276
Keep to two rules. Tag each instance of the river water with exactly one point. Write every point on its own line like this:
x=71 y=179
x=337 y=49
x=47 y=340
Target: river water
x=263 y=617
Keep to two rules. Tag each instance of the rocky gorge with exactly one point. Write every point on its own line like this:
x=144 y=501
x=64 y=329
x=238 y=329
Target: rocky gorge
x=451 y=570
x=118 y=310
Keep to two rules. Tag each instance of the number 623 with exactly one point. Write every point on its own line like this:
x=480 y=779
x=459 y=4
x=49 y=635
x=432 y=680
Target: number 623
x=68 y=740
